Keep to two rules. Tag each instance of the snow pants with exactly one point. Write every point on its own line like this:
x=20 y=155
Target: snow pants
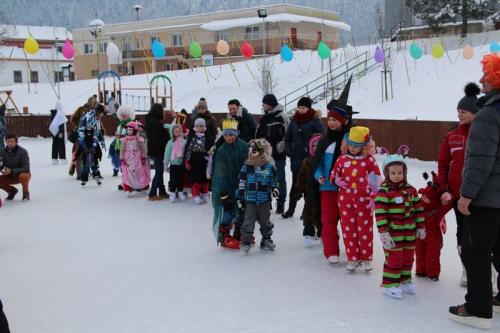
x=86 y=171
x=176 y=179
x=260 y=213
x=199 y=188
x=23 y=178
x=357 y=225
x=329 y=220
x=58 y=147
x=312 y=218
x=429 y=250
x=398 y=264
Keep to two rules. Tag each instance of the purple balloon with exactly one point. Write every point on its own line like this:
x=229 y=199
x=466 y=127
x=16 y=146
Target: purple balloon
x=379 y=55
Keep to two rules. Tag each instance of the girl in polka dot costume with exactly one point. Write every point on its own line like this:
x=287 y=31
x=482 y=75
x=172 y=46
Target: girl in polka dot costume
x=354 y=172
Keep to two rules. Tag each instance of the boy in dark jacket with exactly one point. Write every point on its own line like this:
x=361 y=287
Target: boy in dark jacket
x=257 y=183
x=91 y=153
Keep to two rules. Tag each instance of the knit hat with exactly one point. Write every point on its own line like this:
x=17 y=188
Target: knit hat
x=305 y=101
x=270 y=100
x=200 y=122
x=468 y=103
x=313 y=142
x=491 y=69
x=339 y=114
x=392 y=160
x=359 y=136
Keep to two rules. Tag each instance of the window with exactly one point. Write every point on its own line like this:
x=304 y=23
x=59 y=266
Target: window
x=252 y=33
x=177 y=40
x=138 y=44
x=58 y=76
x=18 y=77
x=169 y=67
x=102 y=47
x=88 y=48
x=34 y=76
x=222 y=35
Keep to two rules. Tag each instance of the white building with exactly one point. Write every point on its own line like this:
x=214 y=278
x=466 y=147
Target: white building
x=48 y=65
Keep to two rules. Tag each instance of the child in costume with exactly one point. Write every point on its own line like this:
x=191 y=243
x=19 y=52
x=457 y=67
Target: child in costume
x=257 y=182
x=306 y=185
x=125 y=115
x=352 y=173
x=136 y=174
x=174 y=154
x=400 y=220
x=428 y=250
x=196 y=160
x=89 y=149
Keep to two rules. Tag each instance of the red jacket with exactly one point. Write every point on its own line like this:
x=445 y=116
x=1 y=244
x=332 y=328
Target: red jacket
x=451 y=160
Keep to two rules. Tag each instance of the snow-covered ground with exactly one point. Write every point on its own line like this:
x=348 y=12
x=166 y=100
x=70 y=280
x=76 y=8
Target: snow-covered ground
x=427 y=89
x=92 y=260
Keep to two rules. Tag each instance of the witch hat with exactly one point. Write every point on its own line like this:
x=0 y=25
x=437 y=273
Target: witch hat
x=341 y=102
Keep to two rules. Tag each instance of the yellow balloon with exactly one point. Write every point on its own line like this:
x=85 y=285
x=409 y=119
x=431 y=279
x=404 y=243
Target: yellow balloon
x=223 y=48
x=468 y=52
x=31 y=45
x=437 y=51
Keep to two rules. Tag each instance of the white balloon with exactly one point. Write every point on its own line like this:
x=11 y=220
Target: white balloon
x=114 y=54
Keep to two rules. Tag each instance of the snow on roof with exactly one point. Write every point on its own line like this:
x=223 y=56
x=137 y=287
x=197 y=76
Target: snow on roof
x=38 y=32
x=233 y=23
x=166 y=27
x=449 y=24
x=17 y=53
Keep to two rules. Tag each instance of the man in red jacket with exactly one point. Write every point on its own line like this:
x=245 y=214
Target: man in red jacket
x=452 y=157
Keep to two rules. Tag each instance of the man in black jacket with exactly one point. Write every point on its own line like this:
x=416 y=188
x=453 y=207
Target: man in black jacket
x=272 y=127
x=14 y=168
x=246 y=122
x=158 y=137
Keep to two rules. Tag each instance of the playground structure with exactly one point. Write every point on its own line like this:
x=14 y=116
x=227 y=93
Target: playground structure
x=5 y=98
x=160 y=91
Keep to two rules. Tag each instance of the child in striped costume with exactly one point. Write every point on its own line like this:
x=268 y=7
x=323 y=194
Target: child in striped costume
x=400 y=221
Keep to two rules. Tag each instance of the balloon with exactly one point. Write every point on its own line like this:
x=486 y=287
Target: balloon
x=323 y=50
x=68 y=50
x=114 y=56
x=468 y=52
x=223 y=48
x=286 y=53
x=31 y=45
x=437 y=51
x=379 y=55
x=494 y=47
x=416 y=51
x=158 y=49
x=247 y=50
x=350 y=52
x=195 y=49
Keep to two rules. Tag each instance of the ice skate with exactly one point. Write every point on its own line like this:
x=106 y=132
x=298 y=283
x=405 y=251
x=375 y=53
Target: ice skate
x=97 y=179
x=182 y=196
x=367 y=266
x=333 y=259
x=393 y=292
x=54 y=162
x=460 y=315
x=310 y=241
x=409 y=288
x=83 y=183
x=267 y=244
x=352 y=265
x=197 y=200
x=246 y=248
x=173 y=198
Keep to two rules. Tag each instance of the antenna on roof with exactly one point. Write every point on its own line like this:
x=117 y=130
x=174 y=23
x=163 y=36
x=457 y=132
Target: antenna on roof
x=137 y=9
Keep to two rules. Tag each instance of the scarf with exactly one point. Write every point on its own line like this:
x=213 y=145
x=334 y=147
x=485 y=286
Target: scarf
x=304 y=118
x=325 y=141
x=256 y=160
x=177 y=151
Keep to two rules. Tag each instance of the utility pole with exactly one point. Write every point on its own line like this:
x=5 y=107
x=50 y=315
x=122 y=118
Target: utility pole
x=137 y=9
x=465 y=17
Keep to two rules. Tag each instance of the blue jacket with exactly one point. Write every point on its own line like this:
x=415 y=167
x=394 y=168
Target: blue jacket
x=297 y=140
x=325 y=167
x=257 y=182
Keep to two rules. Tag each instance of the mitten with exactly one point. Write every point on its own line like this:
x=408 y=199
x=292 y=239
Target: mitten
x=421 y=233
x=443 y=226
x=275 y=192
x=387 y=241
x=340 y=182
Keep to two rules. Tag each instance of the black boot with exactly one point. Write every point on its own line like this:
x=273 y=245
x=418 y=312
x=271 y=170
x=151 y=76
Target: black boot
x=291 y=210
x=280 y=209
x=115 y=173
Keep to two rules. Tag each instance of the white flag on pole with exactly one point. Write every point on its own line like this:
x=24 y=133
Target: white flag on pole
x=58 y=120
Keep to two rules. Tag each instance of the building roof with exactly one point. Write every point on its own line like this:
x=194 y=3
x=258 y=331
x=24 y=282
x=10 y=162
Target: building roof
x=38 y=32
x=247 y=21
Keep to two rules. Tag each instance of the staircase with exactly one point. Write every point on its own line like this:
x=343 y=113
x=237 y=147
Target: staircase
x=333 y=82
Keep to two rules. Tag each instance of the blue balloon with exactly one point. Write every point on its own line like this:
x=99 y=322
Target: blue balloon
x=416 y=51
x=495 y=47
x=158 y=49
x=286 y=53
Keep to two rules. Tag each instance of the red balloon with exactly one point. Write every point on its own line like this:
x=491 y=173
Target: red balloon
x=247 y=50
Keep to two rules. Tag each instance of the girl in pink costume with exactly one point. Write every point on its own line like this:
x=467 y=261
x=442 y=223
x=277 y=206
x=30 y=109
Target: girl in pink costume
x=136 y=174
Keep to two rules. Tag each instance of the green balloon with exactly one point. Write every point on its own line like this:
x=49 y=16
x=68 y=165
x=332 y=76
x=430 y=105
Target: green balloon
x=195 y=50
x=323 y=50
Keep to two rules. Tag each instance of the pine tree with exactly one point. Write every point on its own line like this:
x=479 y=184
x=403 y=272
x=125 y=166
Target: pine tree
x=437 y=12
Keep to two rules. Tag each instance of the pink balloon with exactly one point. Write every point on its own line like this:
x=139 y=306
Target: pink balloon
x=379 y=55
x=68 y=50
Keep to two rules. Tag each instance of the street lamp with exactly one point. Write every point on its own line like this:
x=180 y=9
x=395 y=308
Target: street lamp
x=266 y=78
x=137 y=9
x=95 y=27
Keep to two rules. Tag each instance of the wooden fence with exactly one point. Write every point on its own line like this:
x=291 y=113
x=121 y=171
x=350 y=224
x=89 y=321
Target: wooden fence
x=423 y=137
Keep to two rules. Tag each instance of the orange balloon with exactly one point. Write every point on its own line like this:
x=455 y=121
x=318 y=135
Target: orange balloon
x=223 y=48
x=468 y=52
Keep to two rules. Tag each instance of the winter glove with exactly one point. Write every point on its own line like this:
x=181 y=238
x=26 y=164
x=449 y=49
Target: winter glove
x=275 y=193
x=443 y=226
x=280 y=147
x=387 y=241
x=187 y=165
x=421 y=233
x=240 y=203
x=340 y=182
